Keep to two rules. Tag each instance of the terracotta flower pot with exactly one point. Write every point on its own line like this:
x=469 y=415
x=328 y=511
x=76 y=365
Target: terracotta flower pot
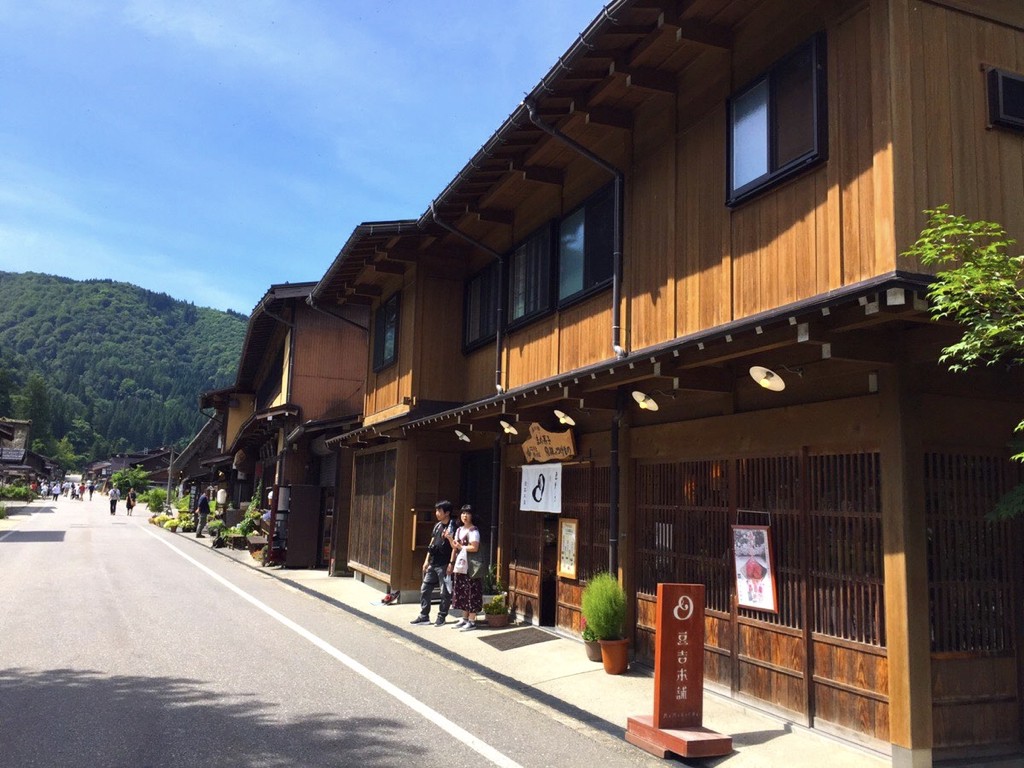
x=496 y=619
x=593 y=648
x=615 y=656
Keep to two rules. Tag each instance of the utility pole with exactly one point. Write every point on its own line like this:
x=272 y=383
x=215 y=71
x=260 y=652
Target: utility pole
x=170 y=466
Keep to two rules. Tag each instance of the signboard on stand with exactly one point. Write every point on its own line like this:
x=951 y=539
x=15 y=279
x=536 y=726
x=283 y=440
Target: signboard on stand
x=677 y=724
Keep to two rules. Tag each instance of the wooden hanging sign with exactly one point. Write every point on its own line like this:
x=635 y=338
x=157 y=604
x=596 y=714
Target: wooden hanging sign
x=543 y=446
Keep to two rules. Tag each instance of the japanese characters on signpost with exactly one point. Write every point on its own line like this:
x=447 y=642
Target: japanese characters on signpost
x=677 y=723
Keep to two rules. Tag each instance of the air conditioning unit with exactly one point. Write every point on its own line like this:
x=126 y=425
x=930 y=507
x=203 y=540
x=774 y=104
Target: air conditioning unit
x=1005 y=99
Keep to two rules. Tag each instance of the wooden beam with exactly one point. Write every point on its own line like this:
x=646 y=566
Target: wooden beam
x=365 y=289
x=647 y=79
x=539 y=173
x=389 y=267
x=497 y=216
x=614 y=118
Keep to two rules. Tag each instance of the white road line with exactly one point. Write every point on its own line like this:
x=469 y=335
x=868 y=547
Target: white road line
x=471 y=741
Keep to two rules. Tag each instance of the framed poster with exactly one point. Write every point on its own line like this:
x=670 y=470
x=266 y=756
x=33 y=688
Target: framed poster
x=568 y=547
x=755 y=579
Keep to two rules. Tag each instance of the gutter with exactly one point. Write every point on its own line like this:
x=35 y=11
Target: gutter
x=616 y=221
x=500 y=310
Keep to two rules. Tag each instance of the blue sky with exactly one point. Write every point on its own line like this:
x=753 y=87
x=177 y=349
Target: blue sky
x=209 y=149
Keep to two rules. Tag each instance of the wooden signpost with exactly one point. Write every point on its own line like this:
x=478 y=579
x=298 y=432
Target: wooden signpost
x=677 y=723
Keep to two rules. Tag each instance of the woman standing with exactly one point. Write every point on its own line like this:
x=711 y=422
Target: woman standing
x=468 y=594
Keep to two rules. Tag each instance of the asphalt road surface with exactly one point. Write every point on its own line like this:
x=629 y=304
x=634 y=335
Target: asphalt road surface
x=123 y=646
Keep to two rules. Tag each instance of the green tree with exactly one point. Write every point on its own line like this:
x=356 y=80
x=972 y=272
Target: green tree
x=980 y=286
x=65 y=455
x=131 y=477
x=35 y=405
x=6 y=390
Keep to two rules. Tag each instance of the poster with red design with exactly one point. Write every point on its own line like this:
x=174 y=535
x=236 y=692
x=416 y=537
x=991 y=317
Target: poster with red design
x=755 y=579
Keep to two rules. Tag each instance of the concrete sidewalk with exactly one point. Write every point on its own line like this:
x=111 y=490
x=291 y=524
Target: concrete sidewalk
x=556 y=676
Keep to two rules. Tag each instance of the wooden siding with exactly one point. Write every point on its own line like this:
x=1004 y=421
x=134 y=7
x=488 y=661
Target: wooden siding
x=438 y=363
x=391 y=387
x=952 y=156
x=329 y=371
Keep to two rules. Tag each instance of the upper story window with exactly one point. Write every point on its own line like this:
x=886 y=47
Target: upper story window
x=481 y=306
x=385 y=333
x=585 y=246
x=529 y=276
x=778 y=124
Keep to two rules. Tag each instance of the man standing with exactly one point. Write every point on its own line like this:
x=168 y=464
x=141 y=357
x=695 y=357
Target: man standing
x=437 y=566
x=202 y=511
x=114 y=496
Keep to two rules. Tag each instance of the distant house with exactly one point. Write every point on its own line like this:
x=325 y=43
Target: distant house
x=301 y=375
x=18 y=463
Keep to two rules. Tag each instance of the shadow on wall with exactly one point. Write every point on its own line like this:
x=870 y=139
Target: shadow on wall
x=95 y=719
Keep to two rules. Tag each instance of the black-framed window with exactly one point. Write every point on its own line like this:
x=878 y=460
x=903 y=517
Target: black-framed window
x=778 y=125
x=385 y=333
x=585 y=245
x=480 y=307
x=529 y=276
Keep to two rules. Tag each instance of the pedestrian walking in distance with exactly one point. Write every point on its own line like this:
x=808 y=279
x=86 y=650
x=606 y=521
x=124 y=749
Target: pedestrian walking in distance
x=114 y=496
x=202 y=511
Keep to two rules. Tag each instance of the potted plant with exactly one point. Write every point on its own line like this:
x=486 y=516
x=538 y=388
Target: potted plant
x=604 y=609
x=591 y=643
x=496 y=612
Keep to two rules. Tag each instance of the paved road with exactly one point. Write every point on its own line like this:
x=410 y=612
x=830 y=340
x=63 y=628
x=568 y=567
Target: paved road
x=122 y=646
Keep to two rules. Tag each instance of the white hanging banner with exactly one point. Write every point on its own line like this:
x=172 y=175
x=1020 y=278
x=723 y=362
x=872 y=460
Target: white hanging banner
x=542 y=488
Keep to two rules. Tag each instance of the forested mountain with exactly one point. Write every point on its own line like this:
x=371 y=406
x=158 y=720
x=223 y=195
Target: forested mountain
x=103 y=367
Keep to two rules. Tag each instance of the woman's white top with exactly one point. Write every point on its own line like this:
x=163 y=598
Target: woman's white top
x=464 y=537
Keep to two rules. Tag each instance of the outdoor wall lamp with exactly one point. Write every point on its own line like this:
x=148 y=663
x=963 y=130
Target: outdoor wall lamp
x=462 y=435
x=564 y=418
x=645 y=401
x=508 y=428
x=769 y=379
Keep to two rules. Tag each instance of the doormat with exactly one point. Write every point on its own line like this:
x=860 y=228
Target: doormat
x=518 y=638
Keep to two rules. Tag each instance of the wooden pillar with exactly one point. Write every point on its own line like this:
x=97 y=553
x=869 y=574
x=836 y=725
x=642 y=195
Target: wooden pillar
x=906 y=572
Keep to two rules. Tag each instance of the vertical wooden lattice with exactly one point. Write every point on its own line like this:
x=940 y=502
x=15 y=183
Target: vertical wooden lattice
x=373 y=510
x=682 y=529
x=972 y=562
x=846 y=577
x=768 y=493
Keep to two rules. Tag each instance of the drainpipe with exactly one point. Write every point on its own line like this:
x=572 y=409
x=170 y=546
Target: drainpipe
x=325 y=311
x=613 y=492
x=616 y=221
x=500 y=310
x=495 y=499
x=498 y=387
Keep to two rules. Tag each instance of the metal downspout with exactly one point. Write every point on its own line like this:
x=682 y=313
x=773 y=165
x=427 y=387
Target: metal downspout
x=500 y=310
x=496 y=465
x=613 y=491
x=616 y=221
x=323 y=310
x=495 y=500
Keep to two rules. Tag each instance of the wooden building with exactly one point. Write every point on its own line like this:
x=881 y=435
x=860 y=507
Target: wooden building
x=301 y=371
x=687 y=211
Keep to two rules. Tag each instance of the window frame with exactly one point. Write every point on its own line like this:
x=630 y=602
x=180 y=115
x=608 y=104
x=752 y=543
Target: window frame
x=381 y=358
x=544 y=293
x=818 y=153
x=591 y=284
x=486 y=314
